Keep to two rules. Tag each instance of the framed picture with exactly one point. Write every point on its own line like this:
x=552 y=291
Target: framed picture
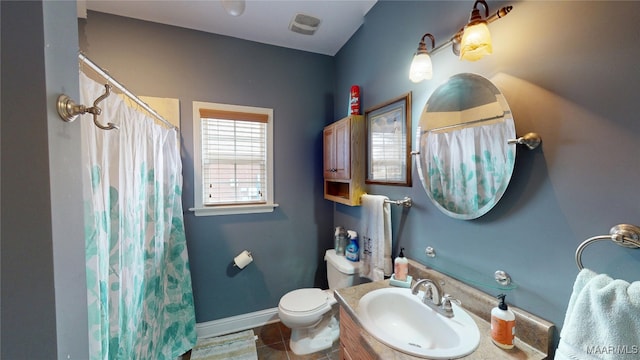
x=389 y=143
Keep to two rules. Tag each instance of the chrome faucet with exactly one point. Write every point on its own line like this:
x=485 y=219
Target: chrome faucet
x=432 y=293
x=434 y=297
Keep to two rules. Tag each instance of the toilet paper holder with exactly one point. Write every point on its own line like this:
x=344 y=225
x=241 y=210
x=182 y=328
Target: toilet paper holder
x=243 y=259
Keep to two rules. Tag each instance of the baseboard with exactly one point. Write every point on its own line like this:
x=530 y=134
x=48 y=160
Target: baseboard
x=237 y=323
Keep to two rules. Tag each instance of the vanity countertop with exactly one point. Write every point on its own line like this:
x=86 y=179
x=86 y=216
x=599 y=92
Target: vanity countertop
x=533 y=327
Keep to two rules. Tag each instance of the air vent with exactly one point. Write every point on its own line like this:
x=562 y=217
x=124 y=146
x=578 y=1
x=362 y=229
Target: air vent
x=304 y=24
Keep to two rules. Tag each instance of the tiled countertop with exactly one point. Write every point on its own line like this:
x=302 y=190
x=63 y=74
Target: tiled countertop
x=533 y=335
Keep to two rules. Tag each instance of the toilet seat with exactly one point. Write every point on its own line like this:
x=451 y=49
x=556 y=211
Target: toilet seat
x=304 y=300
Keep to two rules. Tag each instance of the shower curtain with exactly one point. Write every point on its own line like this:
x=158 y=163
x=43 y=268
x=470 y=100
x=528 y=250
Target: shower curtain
x=140 y=300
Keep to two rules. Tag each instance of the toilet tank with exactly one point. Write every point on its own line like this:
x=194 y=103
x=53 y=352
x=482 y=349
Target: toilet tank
x=341 y=272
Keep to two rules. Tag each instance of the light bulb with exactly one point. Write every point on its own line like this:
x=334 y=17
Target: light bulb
x=421 y=67
x=476 y=42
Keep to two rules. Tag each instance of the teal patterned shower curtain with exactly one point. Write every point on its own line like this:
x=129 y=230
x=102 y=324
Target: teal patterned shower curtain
x=140 y=300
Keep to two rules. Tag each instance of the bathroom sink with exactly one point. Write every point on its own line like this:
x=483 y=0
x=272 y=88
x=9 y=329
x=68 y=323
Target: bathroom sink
x=400 y=320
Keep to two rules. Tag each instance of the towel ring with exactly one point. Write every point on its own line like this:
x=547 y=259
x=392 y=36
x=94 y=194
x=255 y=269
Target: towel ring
x=624 y=235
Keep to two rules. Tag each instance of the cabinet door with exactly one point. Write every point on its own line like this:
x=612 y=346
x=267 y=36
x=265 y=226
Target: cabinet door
x=329 y=148
x=344 y=354
x=342 y=164
x=351 y=341
x=343 y=150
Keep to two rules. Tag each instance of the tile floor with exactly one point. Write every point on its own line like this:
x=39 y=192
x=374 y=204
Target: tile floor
x=273 y=344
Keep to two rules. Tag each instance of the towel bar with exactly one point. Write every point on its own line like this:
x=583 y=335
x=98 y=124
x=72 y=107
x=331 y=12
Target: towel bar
x=624 y=235
x=406 y=202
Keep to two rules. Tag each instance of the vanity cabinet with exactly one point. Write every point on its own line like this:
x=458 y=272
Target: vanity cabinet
x=351 y=343
x=343 y=163
x=534 y=335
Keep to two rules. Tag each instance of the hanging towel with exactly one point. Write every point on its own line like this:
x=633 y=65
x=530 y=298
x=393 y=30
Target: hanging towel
x=602 y=320
x=375 y=237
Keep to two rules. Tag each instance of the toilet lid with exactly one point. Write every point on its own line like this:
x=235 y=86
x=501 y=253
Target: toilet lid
x=304 y=299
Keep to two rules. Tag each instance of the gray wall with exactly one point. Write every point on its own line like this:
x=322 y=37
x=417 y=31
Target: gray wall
x=287 y=245
x=42 y=252
x=572 y=78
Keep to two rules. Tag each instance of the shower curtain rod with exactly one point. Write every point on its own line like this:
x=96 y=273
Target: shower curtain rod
x=124 y=90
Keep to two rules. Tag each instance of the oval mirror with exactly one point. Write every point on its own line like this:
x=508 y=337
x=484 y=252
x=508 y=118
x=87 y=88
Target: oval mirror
x=464 y=161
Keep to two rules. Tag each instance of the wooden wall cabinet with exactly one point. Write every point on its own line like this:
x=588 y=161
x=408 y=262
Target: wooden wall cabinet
x=343 y=145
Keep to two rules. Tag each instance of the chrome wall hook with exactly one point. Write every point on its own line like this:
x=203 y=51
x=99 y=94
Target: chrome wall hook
x=69 y=110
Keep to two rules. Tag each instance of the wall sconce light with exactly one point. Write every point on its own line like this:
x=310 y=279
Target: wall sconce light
x=472 y=49
x=421 y=67
x=476 y=38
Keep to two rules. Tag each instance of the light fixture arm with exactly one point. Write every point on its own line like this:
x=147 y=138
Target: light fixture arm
x=475 y=13
x=423 y=47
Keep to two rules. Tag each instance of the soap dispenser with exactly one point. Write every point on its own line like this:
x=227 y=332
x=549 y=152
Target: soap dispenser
x=401 y=267
x=503 y=324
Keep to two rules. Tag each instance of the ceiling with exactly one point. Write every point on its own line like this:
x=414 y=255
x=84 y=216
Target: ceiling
x=264 y=21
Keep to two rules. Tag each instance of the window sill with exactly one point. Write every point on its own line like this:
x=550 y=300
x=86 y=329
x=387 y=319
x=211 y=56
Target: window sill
x=234 y=210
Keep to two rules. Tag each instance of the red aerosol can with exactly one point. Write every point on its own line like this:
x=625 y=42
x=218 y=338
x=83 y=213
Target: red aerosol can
x=354 y=100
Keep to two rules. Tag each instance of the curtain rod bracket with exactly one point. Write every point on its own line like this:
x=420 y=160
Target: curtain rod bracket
x=69 y=110
x=101 y=72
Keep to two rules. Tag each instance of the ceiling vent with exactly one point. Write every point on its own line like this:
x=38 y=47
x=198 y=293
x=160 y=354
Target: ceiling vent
x=304 y=24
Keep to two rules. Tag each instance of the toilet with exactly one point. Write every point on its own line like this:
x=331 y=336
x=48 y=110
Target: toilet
x=310 y=313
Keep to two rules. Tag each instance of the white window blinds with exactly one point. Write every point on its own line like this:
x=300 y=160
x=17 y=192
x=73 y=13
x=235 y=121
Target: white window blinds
x=388 y=156
x=234 y=157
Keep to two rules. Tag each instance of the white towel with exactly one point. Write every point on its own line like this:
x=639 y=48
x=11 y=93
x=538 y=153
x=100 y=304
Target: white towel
x=375 y=237
x=602 y=320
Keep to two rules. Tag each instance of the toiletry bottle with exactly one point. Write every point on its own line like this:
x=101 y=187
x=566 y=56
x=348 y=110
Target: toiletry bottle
x=400 y=267
x=503 y=324
x=353 y=251
x=354 y=100
x=340 y=240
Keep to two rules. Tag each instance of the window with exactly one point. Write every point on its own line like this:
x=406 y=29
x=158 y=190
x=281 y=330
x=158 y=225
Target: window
x=233 y=159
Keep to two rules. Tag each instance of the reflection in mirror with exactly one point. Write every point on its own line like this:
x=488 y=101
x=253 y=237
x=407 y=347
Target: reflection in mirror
x=465 y=161
x=388 y=146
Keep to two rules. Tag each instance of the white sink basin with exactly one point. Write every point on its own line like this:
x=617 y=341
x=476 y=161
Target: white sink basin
x=400 y=320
